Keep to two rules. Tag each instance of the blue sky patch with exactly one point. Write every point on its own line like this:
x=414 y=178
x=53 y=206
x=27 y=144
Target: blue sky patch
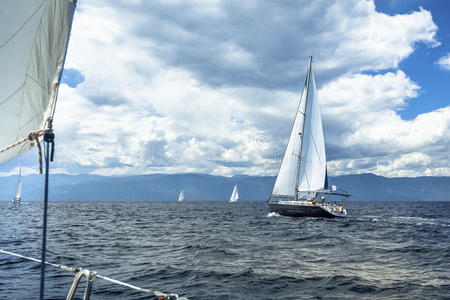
x=72 y=77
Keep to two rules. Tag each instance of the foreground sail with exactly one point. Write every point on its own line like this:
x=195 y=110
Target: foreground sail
x=19 y=188
x=34 y=35
x=235 y=195
x=33 y=44
x=301 y=187
x=181 y=196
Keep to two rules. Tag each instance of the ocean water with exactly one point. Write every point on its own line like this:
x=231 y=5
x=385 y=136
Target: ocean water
x=217 y=250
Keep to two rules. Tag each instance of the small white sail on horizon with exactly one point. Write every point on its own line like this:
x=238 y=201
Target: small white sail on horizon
x=235 y=195
x=181 y=196
x=19 y=188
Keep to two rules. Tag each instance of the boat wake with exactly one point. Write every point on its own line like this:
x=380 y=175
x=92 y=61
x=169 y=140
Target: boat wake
x=273 y=214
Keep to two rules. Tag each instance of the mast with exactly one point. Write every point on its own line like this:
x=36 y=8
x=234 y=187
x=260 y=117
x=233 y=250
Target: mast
x=303 y=126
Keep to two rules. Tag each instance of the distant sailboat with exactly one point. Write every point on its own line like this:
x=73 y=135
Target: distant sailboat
x=235 y=195
x=19 y=188
x=301 y=188
x=181 y=196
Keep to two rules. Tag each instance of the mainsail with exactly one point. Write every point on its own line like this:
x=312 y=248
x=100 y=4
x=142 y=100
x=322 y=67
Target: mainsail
x=181 y=196
x=304 y=163
x=33 y=43
x=235 y=195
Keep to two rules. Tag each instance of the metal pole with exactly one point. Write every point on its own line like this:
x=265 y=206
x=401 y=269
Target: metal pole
x=48 y=139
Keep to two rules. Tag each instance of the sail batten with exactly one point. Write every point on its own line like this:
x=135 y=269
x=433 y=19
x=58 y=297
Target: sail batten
x=304 y=163
x=33 y=43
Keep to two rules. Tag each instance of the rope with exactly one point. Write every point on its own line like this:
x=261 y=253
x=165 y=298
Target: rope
x=76 y=270
x=32 y=136
x=38 y=144
x=156 y=293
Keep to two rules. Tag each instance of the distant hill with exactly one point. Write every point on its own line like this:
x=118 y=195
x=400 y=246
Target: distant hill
x=165 y=187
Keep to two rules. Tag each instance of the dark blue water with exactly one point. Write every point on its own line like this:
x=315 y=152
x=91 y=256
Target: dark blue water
x=216 y=250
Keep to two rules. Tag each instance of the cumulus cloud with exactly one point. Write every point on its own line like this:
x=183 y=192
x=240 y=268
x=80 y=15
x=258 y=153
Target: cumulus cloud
x=444 y=62
x=213 y=87
x=253 y=43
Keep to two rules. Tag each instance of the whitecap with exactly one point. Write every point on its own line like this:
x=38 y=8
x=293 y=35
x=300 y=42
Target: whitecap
x=273 y=214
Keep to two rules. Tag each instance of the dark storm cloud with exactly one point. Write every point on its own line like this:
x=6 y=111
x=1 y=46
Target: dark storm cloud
x=275 y=39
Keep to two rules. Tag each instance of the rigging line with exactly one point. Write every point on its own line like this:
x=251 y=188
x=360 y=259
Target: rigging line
x=22 y=26
x=76 y=270
x=30 y=137
x=315 y=147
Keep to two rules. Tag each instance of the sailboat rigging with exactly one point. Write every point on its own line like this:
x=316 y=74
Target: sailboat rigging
x=235 y=195
x=34 y=37
x=301 y=188
x=19 y=188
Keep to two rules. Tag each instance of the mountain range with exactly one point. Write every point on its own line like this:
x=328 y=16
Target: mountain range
x=200 y=187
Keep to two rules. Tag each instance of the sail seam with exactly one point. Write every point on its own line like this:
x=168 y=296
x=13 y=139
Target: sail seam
x=37 y=82
x=22 y=26
x=315 y=148
x=13 y=94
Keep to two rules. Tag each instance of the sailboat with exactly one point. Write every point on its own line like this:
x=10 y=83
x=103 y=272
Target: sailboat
x=19 y=188
x=301 y=188
x=181 y=196
x=34 y=36
x=235 y=195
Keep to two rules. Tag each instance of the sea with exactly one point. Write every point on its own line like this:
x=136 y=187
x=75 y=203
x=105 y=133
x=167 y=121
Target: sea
x=219 y=250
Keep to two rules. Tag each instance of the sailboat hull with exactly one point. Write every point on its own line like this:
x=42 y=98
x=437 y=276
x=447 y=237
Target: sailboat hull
x=305 y=209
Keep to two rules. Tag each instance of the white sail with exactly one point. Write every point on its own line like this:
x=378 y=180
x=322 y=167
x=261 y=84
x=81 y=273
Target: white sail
x=19 y=188
x=304 y=162
x=181 y=196
x=286 y=180
x=235 y=195
x=313 y=158
x=33 y=44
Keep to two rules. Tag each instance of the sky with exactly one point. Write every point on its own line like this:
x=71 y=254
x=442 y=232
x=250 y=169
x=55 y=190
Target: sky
x=212 y=86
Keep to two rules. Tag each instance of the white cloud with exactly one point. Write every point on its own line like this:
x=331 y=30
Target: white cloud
x=366 y=134
x=214 y=89
x=444 y=62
